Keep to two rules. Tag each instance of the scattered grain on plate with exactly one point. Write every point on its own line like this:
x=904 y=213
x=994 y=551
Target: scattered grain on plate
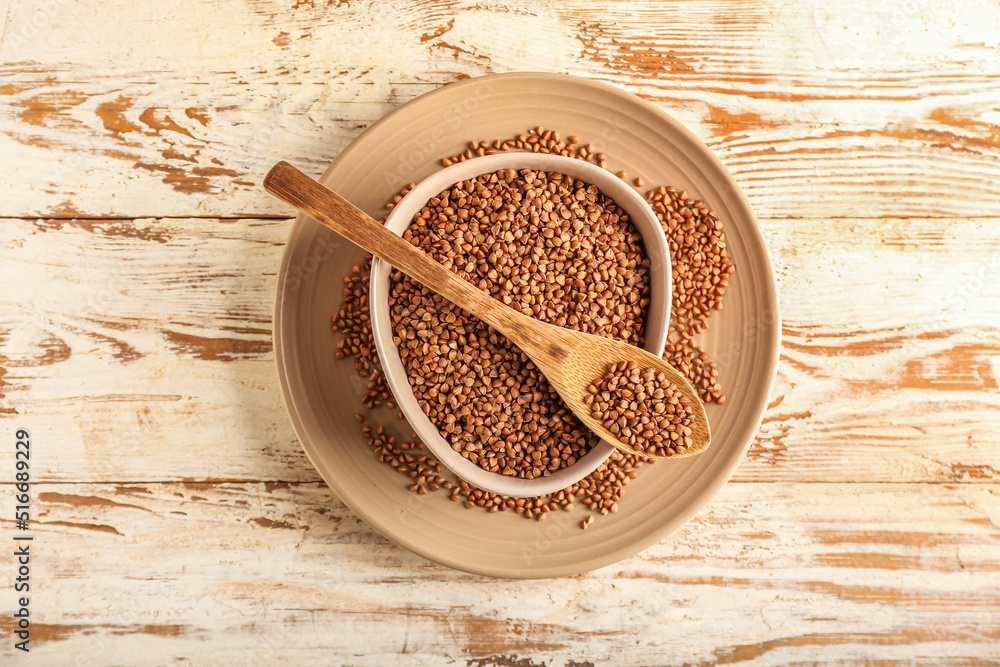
x=701 y=268
x=643 y=408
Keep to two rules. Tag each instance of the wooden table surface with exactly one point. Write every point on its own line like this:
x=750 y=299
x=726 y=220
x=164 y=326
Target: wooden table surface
x=175 y=515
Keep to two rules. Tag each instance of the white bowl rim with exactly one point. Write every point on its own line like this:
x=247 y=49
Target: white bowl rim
x=657 y=319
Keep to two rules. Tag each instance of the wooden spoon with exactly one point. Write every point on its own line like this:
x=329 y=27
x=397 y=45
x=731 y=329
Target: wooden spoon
x=570 y=360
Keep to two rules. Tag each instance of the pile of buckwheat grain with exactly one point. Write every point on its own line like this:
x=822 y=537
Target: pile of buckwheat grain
x=700 y=276
x=643 y=408
x=552 y=248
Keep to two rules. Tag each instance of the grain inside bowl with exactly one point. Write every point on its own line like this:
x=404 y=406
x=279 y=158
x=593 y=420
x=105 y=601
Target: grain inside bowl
x=547 y=245
x=700 y=275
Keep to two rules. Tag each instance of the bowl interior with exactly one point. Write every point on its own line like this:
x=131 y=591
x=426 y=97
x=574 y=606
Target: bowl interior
x=657 y=319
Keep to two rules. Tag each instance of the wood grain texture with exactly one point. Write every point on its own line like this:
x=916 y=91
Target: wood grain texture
x=770 y=574
x=828 y=109
x=157 y=366
x=890 y=349
x=889 y=365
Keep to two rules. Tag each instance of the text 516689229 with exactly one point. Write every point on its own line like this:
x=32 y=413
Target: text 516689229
x=22 y=541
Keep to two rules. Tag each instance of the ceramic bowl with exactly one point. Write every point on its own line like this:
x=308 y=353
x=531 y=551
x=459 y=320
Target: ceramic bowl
x=658 y=314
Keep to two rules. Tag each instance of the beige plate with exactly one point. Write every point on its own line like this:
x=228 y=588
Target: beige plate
x=322 y=394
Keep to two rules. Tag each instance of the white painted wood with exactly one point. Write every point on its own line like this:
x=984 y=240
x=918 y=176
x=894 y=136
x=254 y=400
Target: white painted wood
x=825 y=109
x=772 y=573
x=158 y=367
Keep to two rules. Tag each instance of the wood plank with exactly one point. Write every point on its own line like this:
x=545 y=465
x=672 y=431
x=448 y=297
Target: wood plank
x=140 y=368
x=151 y=358
x=792 y=97
x=890 y=352
x=767 y=574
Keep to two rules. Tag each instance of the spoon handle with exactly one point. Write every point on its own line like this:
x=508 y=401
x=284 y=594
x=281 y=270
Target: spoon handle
x=308 y=195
